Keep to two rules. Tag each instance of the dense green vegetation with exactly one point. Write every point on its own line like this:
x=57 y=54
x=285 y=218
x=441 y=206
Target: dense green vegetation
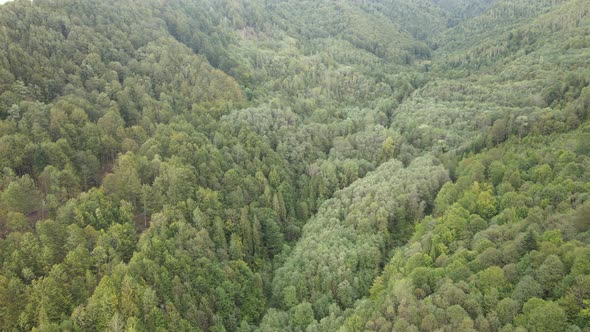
x=504 y=250
x=288 y=165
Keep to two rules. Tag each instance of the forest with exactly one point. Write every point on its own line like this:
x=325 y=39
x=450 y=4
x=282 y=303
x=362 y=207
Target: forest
x=295 y=165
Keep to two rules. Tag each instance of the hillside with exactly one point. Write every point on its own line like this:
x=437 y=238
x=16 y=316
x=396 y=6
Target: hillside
x=506 y=248
x=218 y=165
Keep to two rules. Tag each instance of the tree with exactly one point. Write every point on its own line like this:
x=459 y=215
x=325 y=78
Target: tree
x=582 y=147
x=486 y=204
x=496 y=172
x=290 y=297
x=498 y=132
x=550 y=272
x=507 y=309
x=22 y=196
x=100 y=309
x=124 y=182
x=527 y=288
x=175 y=183
x=546 y=317
x=236 y=248
x=272 y=236
x=123 y=239
x=458 y=318
x=582 y=217
x=301 y=316
x=492 y=277
x=13 y=299
x=447 y=195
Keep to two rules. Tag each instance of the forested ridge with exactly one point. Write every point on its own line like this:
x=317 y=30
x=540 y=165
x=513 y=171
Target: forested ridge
x=219 y=165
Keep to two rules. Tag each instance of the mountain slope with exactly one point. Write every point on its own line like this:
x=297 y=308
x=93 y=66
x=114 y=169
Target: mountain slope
x=343 y=246
x=224 y=165
x=506 y=248
x=130 y=167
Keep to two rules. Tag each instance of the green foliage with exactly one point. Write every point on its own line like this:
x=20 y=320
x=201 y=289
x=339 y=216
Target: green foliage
x=336 y=259
x=582 y=218
x=258 y=165
x=21 y=196
x=513 y=275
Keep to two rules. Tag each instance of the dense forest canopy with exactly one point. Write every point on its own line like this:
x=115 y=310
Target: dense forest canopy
x=295 y=165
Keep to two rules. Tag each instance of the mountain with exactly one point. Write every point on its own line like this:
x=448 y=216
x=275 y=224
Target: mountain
x=219 y=165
